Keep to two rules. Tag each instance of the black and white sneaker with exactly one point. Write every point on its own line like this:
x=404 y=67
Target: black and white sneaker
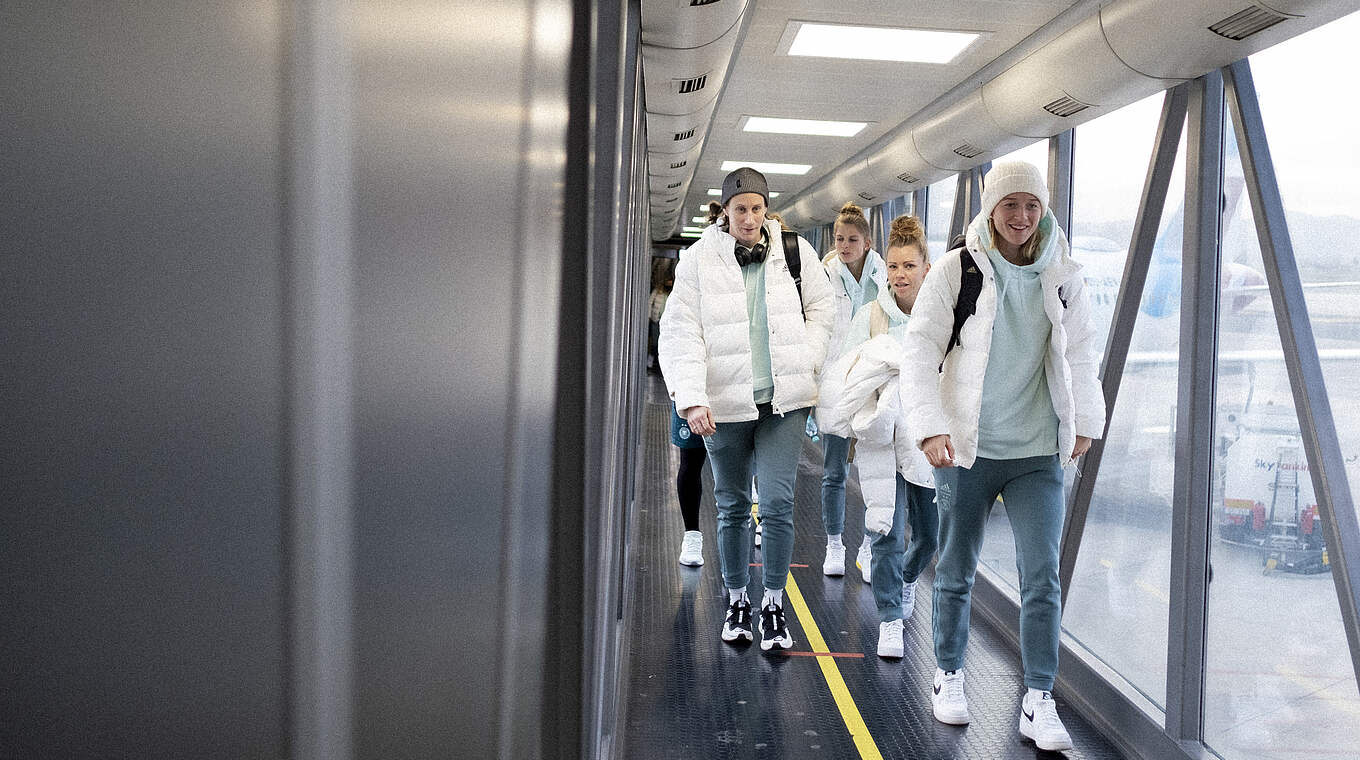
x=774 y=630
x=737 y=626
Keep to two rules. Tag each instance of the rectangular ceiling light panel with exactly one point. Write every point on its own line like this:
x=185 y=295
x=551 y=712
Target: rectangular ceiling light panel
x=767 y=168
x=879 y=43
x=718 y=193
x=804 y=126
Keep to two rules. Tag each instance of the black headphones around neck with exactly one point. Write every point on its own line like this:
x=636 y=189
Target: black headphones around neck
x=753 y=255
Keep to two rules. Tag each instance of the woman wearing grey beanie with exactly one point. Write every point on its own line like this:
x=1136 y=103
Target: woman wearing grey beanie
x=999 y=408
x=741 y=345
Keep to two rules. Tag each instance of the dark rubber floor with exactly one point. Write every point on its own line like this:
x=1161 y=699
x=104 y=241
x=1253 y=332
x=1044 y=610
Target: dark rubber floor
x=693 y=697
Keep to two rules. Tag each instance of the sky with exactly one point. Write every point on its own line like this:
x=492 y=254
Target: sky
x=1307 y=89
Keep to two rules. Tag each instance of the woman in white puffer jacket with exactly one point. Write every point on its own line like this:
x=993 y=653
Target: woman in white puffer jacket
x=1015 y=400
x=856 y=273
x=860 y=398
x=740 y=354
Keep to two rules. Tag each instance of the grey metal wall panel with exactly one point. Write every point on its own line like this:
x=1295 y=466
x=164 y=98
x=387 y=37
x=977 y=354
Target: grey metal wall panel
x=141 y=376
x=460 y=114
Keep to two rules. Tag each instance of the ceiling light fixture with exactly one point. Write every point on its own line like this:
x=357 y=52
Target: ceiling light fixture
x=878 y=43
x=768 y=168
x=804 y=126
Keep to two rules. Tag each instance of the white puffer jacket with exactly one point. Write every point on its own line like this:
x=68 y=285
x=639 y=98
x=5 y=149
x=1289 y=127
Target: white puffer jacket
x=860 y=400
x=705 y=346
x=873 y=263
x=950 y=400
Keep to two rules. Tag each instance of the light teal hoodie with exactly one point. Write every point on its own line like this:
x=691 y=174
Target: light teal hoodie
x=762 y=375
x=859 y=326
x=865 y=289
x=1017 y=419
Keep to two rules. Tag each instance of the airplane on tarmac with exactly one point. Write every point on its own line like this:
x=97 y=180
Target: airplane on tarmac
x=1264 y=496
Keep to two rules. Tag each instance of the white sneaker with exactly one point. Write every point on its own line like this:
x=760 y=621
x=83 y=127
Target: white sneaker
x=908 y=599
x=834 y=564
x=774 y=629
x=890 y=638
x=1039 y=721
x=947 y=699
x=864 y=560
x=692 y=549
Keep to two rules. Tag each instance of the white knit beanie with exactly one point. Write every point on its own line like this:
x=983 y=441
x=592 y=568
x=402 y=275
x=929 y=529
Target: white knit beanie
x=1013 y=177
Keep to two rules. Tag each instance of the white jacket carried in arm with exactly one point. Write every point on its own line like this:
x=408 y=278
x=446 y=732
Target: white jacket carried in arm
x=860 y=400
x=705 y=345
x=949 y=400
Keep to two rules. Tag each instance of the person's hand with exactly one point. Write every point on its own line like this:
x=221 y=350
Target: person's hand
x=1083 y=444
x=938 y=450
x=700 y=420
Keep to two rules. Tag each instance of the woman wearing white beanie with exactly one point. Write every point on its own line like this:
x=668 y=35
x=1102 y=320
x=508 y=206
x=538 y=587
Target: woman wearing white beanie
x=999 y=413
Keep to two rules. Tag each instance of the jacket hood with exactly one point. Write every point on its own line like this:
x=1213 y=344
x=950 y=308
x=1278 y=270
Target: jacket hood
x=1054 y=261
x=888 y=301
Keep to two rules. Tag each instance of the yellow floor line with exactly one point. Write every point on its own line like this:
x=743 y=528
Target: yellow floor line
x=849 y=712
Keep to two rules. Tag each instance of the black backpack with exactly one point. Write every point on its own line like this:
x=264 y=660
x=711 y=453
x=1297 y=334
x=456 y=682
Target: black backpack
x=970 y=286
x=795 y=263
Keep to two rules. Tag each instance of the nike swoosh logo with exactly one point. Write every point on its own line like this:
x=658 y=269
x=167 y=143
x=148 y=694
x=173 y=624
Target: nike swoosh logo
x=1029 y=716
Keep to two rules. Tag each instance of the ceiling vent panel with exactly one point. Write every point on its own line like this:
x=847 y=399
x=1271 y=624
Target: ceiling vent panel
x=1247 y=22
x=899 y=168
x=1073 y=79
x=667 y=185
x=680 y=81
x=1066 y=106
x=674 y=165
x=1184 y=40
x=961 y=136
x=687 y=23
x=862 y=187
x=672 y=134
x=968 y=151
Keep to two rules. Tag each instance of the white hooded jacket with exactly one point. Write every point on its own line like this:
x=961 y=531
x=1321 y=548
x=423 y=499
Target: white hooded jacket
x=705 y=346
x=949 y=400
x=860 y=399
x=876 y=271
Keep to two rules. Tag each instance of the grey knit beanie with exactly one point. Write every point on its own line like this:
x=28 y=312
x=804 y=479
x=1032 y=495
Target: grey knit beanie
x=744 y=180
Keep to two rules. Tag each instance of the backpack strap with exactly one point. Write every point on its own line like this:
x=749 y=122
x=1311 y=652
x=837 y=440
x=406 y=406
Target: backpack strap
x=970 y=286
x=878 y=319
x=793 y=257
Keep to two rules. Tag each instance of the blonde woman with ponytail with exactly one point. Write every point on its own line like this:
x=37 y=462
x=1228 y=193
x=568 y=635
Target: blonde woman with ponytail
x=856 y=272
x=862 y=392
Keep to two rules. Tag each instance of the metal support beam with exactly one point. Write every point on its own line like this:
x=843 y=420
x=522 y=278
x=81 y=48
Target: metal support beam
x=1060 y=178
x=959 y=219
x=975 y=191
x=1191 y=492
x=1316 y=424
x=319 y=308
x=920 y=205
x=1147 y=221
